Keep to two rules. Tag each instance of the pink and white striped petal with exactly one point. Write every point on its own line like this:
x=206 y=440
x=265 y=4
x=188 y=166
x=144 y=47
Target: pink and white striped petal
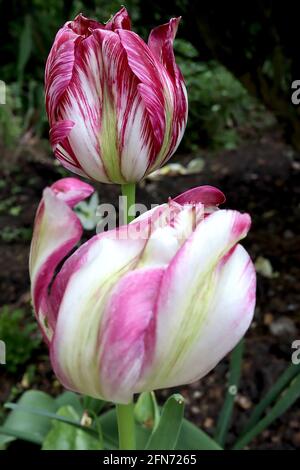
x=188 y=298
x=57 y=229
x=83 y=290
x=151 y=87
x=134 y=132
x=59 y=69
x=160 y=43
x=127 y=338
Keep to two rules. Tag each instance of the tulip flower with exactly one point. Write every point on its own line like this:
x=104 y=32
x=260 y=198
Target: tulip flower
x=125 y=314
x=117 y=107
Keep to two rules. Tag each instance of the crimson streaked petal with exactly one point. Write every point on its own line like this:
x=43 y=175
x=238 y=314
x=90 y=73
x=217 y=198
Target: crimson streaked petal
x=83 y=104
x=83 y=26
x=128 y=105
x=134 y=134
x=59 y=132
x=121 y=20
x=147 y=70
x=160 y=43
x=62 y=149
x=59 y=69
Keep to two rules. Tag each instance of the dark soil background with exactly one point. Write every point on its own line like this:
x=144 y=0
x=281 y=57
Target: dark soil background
x=260 y=177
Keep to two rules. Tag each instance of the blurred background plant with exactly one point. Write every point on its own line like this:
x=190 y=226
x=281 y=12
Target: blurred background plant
x=21 y=337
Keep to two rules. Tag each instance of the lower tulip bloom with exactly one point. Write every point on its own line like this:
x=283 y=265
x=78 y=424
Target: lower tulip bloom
x=126 y=314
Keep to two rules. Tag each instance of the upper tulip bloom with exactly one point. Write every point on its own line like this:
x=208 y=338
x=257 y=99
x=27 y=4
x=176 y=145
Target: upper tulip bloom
x=117 y=107
x=126 y=314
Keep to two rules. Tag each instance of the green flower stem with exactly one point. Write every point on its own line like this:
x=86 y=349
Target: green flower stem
x=126 y=426
x=128 y=190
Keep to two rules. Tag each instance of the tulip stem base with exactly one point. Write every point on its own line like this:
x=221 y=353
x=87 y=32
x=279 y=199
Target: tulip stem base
x=126 y=426
x=128 y=191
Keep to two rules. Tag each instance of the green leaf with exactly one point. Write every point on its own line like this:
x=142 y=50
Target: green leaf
x=63 y=436
x=282 y=382
x=289 y=396
x=93 y=404
x=57 y=417
x=21 y=424
x=190 y=437
x=232 y=388
x=146 y=410
x=165 y=436
x=8 y=435
x=193 y=438
x=69 y=398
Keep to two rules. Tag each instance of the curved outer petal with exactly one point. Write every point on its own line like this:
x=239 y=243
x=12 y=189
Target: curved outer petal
x=56 y=231
x=205 y=304
x=161 y=45
x=59 y=69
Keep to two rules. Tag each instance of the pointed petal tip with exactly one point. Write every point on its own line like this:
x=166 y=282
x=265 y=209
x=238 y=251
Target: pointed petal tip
x=72 y=190
x=121 y=20
x=83 y=26
x=175 y=19
x=242 y=225
x=164 y=31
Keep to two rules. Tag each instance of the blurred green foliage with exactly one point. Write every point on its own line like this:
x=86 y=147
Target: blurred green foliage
x=10 y=119
x=218 y=103
x=20 y=335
